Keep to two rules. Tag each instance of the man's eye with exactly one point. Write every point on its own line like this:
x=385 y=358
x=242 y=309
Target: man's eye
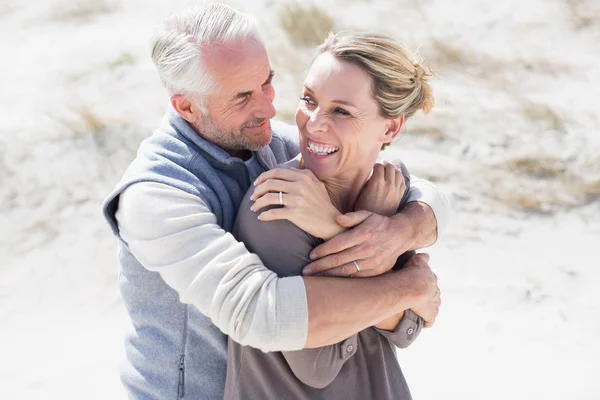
x=341 y=111
x=244 y=99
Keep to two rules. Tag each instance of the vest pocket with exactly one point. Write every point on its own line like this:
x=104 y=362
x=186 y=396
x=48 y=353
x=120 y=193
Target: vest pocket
x=181 y=387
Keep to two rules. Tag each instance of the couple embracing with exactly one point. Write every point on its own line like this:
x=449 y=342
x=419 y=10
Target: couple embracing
x=238 y=235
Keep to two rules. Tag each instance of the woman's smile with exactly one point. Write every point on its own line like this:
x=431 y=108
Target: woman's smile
x=321 y=149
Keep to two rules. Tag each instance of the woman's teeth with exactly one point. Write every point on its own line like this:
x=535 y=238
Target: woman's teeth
x=321 y=150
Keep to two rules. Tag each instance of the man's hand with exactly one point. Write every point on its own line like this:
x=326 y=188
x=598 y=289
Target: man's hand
x=383 y=191
x=425 y=283
x=375 y=243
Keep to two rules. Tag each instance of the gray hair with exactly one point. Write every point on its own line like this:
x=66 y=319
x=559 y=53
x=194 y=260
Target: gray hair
x=177 y=46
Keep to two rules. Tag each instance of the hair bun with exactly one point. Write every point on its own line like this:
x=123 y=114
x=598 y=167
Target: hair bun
x=420 y=73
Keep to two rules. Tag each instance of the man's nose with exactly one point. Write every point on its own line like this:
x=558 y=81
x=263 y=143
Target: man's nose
x=266 y=108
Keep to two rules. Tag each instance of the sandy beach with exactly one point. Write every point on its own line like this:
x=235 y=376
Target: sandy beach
x=514 y=140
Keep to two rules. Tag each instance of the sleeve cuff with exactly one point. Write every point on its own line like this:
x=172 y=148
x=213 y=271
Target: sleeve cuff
x=427 y=193
x=292 y=313
x=406 y=331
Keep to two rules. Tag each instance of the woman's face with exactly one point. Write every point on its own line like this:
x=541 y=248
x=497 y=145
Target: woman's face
x=341 y=131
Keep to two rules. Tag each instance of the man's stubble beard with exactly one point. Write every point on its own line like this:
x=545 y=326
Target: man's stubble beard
x=229 y=140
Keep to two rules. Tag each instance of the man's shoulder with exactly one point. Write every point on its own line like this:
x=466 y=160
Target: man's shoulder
x=284 y=131
x=284 y=144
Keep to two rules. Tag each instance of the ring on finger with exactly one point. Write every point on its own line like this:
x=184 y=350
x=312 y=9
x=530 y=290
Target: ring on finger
x=280 y=198
x=357 y=267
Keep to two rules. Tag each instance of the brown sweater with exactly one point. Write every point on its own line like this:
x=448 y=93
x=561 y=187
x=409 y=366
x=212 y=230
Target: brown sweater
x=364 y=366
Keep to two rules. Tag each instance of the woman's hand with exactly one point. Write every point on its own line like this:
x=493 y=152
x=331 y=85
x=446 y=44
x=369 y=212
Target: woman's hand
x=305 y=201
x=383 y=191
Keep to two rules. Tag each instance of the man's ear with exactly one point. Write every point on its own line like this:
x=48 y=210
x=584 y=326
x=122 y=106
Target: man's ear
x=394 y=126
x=186 y=108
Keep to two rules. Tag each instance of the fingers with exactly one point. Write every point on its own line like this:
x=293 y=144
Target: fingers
x=431 y=319
x=289 y=175
x=348 y=269
x=328 y=262
x=340 y=243
x=271 y=199
x=306 y=172
x=352 y=219
x=274 y=214
x=272 y=185
x=378 y=172
x=390 y=173
x=400 y=179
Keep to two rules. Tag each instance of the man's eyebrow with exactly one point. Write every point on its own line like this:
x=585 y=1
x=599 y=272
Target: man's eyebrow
x=242 y=95
x=270 y=78
x=344 y=102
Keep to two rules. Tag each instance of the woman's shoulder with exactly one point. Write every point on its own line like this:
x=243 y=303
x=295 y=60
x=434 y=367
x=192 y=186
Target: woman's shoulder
x=293 y=163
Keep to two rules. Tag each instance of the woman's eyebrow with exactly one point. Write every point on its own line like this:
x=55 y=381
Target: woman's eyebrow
x=344 y=102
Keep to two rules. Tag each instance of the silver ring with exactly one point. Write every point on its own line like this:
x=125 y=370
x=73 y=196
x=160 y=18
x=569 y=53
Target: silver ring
x=357 y=267
x=280 y=198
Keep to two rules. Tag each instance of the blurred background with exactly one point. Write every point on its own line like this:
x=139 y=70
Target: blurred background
x=514 y=140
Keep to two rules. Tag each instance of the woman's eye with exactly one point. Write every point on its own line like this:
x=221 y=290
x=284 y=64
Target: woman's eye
x=341 y=111
x=308 y=100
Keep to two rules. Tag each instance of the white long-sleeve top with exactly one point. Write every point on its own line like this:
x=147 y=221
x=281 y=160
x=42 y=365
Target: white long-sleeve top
x=175 y=233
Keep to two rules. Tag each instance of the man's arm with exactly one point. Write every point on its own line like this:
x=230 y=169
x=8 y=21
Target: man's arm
x=343 y=306
x=175 y=234
x=379 y=240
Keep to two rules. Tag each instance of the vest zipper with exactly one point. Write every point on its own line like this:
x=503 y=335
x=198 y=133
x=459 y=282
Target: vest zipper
x=180 y=388
x=181 y=385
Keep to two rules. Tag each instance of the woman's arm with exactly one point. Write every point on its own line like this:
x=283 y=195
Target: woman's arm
x=405 y=332
x=284 y=248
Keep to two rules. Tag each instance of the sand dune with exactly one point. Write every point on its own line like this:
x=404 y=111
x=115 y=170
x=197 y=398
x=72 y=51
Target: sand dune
x=514 y=140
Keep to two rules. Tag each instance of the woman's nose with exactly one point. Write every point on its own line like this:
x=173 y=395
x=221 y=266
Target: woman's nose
x=316 y=122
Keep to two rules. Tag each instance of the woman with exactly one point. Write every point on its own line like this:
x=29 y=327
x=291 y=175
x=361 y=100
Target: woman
x=356 y=97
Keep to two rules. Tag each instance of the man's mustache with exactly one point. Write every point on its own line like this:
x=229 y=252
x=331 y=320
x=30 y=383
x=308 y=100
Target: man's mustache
x=251 y=124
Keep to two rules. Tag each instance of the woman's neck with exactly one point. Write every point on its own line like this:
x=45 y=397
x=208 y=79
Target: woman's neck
x=344 y=191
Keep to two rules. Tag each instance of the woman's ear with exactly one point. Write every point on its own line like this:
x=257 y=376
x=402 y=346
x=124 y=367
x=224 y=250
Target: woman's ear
x=393 y=128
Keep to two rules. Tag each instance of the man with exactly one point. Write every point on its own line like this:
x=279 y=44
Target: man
x=185 y=280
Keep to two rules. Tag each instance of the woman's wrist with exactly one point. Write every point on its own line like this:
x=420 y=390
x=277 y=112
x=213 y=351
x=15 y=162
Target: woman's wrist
x=332 y=228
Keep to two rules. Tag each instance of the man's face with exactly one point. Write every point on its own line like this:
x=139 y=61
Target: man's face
x=239 y=112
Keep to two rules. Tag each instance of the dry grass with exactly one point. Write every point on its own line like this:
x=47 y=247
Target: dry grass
x=430 y=131
x=541 y=113
x=582 y=13
x=446 y=55
x=80 y=121
x=81 y=9
x=586 y=190
x=540 y=184
x=305 y=25
x=5 y=9
x=544 y=167
x=123 y=59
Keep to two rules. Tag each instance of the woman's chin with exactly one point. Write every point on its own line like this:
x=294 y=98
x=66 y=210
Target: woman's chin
x=322 y=172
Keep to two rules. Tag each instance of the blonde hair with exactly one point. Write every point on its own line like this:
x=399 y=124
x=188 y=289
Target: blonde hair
x=399 y=80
